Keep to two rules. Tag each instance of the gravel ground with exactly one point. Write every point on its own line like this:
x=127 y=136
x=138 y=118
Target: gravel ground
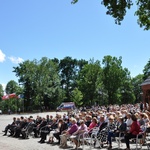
x=10 y=143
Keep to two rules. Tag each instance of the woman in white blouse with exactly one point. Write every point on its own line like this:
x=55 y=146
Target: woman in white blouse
x=128 y=121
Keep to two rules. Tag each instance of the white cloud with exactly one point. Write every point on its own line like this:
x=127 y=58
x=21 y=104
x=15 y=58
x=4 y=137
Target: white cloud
x=2 y=56
x=15 y=60
x=4 y=86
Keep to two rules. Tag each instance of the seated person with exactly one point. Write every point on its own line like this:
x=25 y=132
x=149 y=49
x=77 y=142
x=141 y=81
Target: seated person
x=102 y=133
x=22 y=125
x=88 y=120
x=82 y=129
x=68 y=133
x=9 y=126
x=38 y=127
x=102 y=123
x=92 y=125
x=14 y=127
x=129 y=121
x=52 y=129
x=28 y=129
x=133 y=132
x=62 y=126
x=121 y=128
x=111 y=129
x=45 y=129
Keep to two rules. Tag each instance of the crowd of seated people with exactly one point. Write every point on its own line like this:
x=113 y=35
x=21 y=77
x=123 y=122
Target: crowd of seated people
x=18 y=126
x=111 y=121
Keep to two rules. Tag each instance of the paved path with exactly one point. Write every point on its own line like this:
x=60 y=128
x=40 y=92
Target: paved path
x=10 y=143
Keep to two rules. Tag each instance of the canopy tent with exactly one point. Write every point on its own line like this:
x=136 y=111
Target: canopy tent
x=8 y=96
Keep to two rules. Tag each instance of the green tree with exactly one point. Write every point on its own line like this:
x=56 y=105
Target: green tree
x=69 y=69
x=76 y=97
x=146 y=70
x=112 y=77
x=1 y=92
x=127 y=88
x=118 y=8
x=136 y=82
x=11 y=87
x=48 y=82
x=26 y=73
x=41 y=83
x=68 y=74
x=11 y=103
x=88 y=81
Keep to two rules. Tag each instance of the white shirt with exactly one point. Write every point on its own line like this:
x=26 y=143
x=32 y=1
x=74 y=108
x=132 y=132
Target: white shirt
x=129 y=122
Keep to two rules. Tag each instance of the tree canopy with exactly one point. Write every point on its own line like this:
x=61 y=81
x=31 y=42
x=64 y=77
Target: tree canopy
x=1 y=91
x=45 y=83
x=118 y=8
x=146 y=70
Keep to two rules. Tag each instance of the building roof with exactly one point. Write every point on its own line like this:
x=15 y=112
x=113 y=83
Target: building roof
x=146 y=82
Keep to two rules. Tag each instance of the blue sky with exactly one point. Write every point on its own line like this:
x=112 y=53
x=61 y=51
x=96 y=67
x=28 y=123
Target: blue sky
x=32 y=29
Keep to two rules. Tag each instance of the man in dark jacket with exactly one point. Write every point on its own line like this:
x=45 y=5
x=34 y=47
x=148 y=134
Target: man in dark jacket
x=9 y=126
x=39 y=126
x=102 y=123
x=18 y=129
x=62 y=127
x=45 y=130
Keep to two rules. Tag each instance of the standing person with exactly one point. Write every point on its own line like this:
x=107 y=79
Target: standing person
x=9 y=111
x=141 y=106
x=19 y=110
x=133 y=132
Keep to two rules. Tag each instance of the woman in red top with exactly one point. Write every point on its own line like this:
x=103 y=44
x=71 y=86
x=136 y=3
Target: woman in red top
x=134 y=131
x=93 y=124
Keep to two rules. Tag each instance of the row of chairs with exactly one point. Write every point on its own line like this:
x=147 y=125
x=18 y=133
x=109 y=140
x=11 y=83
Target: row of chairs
x=92 y=140
x=139 y=140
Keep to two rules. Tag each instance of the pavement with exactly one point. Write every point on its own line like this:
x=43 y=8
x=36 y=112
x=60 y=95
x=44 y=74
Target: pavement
x=10 y=143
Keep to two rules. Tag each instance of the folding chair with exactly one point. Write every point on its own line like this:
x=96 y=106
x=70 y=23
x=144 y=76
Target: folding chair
x=140 y=138
x=92 y=139
x=119 y=139
x=27 y=131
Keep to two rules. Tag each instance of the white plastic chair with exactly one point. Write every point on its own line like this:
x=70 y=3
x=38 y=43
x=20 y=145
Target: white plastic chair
x=119 y=139
x=90 y=140
x=140 y=138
